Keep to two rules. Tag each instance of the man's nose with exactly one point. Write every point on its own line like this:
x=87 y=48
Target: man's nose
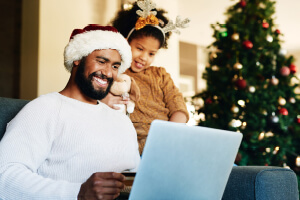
x=108 y=70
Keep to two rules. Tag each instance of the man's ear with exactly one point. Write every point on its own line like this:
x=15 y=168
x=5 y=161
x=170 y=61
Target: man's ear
x=76 y=63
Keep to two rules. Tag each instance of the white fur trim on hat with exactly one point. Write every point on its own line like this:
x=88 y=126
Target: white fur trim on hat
x=85 y=43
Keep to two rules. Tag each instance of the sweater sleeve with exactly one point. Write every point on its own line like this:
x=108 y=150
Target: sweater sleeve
x=25 y=145
x=172 y=96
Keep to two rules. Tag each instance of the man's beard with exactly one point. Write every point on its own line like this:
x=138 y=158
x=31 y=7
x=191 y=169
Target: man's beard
x=86 y=85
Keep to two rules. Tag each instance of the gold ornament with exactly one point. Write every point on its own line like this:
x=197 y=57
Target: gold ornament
x=237 y=66
x=274 y=81
x=292 y=100
x=235 y=123
x=235 y=36
x=281 y=101
x=269 y=38
x=215 y=68
x=235 y=109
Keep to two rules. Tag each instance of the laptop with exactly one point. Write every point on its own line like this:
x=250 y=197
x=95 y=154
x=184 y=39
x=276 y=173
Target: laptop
x=185 y=162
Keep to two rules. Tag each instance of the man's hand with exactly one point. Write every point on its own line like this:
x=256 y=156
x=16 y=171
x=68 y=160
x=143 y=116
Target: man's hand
x=111 y=99
x=102 y=185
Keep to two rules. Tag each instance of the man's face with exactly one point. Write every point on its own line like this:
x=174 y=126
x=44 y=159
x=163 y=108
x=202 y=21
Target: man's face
x=97 y=71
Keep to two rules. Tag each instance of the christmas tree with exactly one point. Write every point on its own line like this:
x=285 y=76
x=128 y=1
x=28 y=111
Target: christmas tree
x=252 y=87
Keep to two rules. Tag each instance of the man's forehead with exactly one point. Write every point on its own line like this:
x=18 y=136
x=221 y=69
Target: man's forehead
x=110 y=54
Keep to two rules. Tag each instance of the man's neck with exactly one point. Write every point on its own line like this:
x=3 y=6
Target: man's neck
x=72 y=91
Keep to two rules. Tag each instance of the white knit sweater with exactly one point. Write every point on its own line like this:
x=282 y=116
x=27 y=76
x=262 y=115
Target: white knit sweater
x=55 y=143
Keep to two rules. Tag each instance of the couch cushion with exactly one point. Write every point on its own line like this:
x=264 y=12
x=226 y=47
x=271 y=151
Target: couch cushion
x=8 y=109
x=261 y=183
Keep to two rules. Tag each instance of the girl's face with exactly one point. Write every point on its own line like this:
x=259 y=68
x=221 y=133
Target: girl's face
x=143 y=51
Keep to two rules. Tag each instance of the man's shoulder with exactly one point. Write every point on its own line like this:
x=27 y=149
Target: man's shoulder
x=44 y=102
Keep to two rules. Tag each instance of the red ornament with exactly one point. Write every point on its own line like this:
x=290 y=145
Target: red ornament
x=283 y=111
x=285 y=71
x=243 y=3
x=265 y=25
x=298 y=120
x=208 y=101
x=293 y=68
x=248 y=44
x=277 y=31
x=241 y=83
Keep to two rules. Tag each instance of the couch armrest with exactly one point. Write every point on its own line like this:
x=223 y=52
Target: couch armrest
x=261 y=183
x=8 y=109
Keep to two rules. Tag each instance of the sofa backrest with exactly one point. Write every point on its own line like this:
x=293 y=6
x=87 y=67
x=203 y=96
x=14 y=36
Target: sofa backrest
x=8 y=109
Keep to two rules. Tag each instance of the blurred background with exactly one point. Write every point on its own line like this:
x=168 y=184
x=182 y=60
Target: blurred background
x=35 y=32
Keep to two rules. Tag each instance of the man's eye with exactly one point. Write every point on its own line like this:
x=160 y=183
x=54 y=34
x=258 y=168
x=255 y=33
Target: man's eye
x=115 y=67
x=101 y=61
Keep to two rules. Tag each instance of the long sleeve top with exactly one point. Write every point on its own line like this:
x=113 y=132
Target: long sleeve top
x=56 y=143
x=159 y=99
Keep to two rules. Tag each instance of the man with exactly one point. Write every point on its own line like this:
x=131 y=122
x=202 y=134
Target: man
x=69 y=145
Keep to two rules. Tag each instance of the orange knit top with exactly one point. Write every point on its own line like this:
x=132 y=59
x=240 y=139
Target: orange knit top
x=159 y=99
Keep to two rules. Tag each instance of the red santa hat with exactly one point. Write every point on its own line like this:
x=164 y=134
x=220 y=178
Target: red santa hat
x=95 y=37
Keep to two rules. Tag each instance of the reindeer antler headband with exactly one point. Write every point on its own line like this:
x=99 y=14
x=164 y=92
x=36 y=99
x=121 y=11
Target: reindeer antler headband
x=148 y=18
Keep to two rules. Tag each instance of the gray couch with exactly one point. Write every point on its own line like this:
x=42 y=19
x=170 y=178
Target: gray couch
x=244 y=183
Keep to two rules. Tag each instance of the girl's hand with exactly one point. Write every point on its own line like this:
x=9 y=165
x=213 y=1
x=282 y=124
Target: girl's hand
x=111 y=100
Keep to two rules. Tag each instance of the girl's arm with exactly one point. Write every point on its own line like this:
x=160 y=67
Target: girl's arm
x=111 y=100
x=179 y=117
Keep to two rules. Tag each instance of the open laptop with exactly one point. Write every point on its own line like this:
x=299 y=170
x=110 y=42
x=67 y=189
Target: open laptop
x=185 y=162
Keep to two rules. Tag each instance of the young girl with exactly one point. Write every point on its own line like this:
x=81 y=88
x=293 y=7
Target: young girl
x=159 y=98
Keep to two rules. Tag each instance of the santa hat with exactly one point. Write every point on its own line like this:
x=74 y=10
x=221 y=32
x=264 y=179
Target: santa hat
x=95 y=37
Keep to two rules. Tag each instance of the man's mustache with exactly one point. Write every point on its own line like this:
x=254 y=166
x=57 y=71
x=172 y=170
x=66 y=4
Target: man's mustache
x=102 y=76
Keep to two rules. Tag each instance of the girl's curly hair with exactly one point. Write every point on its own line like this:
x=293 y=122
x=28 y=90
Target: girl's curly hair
x=125 y=20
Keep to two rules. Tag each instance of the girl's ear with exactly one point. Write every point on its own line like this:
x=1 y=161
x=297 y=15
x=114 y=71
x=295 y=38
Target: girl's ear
x=134 y=93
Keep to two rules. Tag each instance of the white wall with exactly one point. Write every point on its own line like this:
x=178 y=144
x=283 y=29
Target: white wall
x=169 y=58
